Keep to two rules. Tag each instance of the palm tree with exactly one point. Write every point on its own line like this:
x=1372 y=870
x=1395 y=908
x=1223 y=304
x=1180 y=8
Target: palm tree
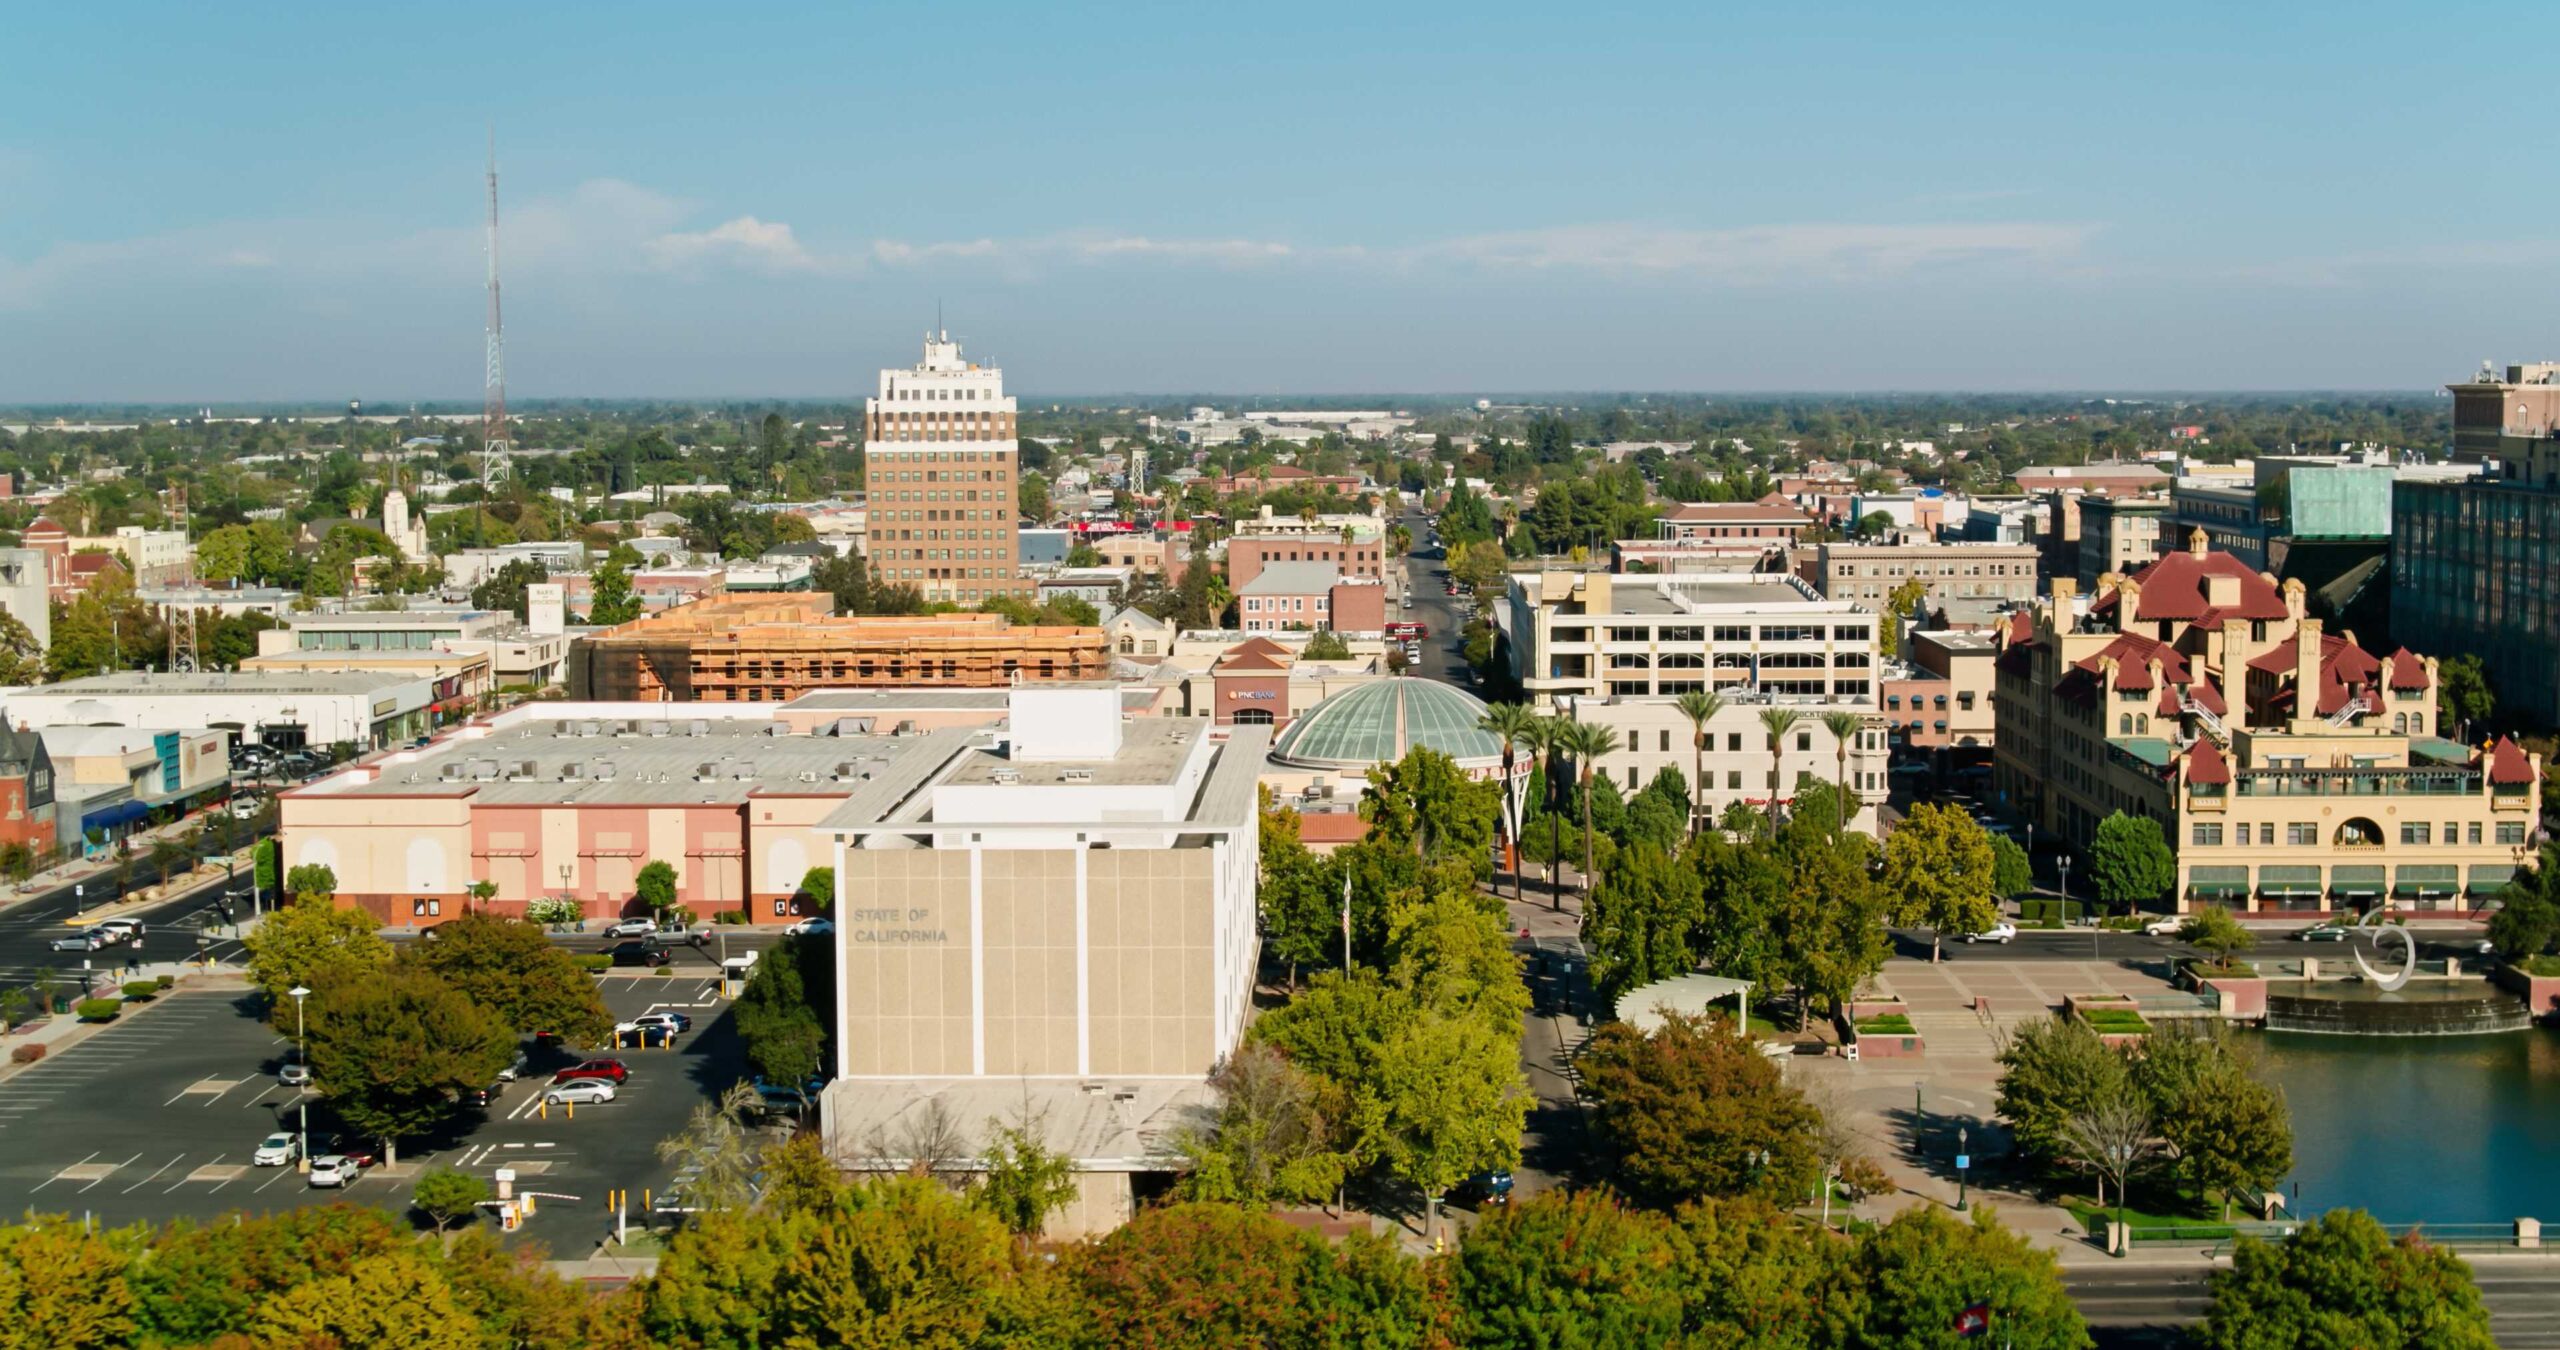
x=1779 y=721
x=1842 y=726
x=1510 y=723
x=1700 y=706
x=1588 y=743
x=1545 y=737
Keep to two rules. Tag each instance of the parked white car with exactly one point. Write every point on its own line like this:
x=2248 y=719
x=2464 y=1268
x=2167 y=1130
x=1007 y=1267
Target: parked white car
x=2002 y=932
x=334 y=1170
x=276 y=1150
x=813 y=926
x=2168 y=926
x=580 y=1092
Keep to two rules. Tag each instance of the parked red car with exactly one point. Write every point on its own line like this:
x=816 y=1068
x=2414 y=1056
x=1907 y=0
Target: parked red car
x=611 y=1070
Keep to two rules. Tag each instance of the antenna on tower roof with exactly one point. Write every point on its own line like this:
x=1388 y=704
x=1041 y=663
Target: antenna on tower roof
x=940 y=332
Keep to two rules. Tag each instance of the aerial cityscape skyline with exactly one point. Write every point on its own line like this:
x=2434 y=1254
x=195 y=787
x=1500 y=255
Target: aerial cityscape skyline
x=1324 y=199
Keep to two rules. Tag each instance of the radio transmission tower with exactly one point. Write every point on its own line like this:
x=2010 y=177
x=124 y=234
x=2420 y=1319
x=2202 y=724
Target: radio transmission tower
x=493 y=406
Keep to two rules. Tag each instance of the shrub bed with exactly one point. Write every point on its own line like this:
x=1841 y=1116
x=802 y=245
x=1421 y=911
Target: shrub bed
x=2115 y=1021
x=140 y=991
x=594 y=962
x=1886 y=1024
x=98 y=1009
x=2543 y=966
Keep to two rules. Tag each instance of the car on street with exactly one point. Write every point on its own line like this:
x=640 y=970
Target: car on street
x=624 y=928
x=334 y=1170
x=611 y=1070
x=2166 y=926
x=124 y=930
x=638 y=954
x=294 y=1075
x=813 y=926
x=276 y=1150
x=2322 y=932
x=484 y=1096
x=2002 y=932
x=680 y=933
x=583 y=1092
x=515 y=1069
x=86 y=940
x=1484 y=1188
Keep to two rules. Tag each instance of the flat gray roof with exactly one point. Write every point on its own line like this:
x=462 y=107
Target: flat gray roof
x=743 y=758
x=855 y=702
x=1152 y=751
x=124 y=682
x=1292 y=578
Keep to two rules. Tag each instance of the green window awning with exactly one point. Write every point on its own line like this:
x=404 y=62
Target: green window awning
x=2428 y=880
x=2218 y=881
x=2357 y=880
x=2492 y=878
x=2289 y=880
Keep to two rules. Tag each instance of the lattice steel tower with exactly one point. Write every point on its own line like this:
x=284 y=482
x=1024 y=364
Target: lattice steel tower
x=493 y=405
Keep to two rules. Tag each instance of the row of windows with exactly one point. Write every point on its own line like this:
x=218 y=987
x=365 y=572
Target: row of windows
x=951 y=393
x=1893 y=702
x=2301 y=834
x=1865 y=781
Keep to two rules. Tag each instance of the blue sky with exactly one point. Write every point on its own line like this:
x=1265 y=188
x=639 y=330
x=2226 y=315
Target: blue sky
x=265 y=202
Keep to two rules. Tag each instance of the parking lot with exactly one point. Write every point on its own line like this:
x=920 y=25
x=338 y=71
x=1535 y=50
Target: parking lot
x=155 y=1118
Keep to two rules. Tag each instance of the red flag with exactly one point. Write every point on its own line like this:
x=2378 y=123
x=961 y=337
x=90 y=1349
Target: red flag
x=1974 y=1321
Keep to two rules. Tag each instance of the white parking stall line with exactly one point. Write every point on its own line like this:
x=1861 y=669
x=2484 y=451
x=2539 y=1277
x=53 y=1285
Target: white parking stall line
x=58 y=1175
x=118 y=1168
x=156 y=1174
x=281 y=1174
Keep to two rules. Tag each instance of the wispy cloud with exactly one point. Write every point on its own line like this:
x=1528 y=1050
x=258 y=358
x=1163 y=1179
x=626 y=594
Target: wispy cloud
x=746 y=241
x=1758 y=254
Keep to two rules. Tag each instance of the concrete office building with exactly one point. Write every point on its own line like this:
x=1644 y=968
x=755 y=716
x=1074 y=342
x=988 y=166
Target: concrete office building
x=1941 y=699
x=942 y=469
x=1311 y=595
x=2116 y=534
x=2473 y=563
x=1593 y=634
x=1869 y=574
x=2291 y=769
x=1054 y=922
x=1249 y=554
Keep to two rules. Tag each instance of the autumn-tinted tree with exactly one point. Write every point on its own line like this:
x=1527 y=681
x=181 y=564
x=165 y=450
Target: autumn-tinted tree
x=1202 y=1275
x=1693 y=1107
x=62 y=1285
x=509 y=968
x=1759 y=1278
x=1569 y=1268
x=2341 y=1281
x=1917 y=1274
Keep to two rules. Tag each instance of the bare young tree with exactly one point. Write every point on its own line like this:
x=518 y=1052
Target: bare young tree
x=717 y=1152
x=925 y=1142
x=2113 y=1139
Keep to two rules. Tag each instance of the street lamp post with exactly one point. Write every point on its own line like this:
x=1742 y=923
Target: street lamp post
x=302 y=1057
x=2065 y=861
x=1964 y=1161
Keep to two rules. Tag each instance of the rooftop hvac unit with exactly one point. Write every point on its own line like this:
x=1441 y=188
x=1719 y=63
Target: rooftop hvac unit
x=572 y=772
x=603 y=770
x=590 y=728
x=1075 y=775
x=704 y=773
x=563 y=728
x=1008 y=776
x=697 y=727
x=521 y=771
x=451 y=773
x=659 y=728
x=776 y=729
x=844 y=770
x=484 y=770
x=623 y=729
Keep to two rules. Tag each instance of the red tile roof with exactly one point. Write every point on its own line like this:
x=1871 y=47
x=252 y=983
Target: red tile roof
x=1770 y=510
x=2174 y=588
x=2205 y=763
x=2408 y=670
x=2134 y=654
x=2508 y=763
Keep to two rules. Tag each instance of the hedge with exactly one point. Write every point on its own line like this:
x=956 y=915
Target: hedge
x=98 y=1009
x=140 y=991
x=594 y=961
x=2037 y=909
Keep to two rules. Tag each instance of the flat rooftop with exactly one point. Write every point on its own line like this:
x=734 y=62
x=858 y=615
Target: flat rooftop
x=857 y=702
x=395 y=618
x=662 y=763
x=127 y=683
x=1680 y=594
x=1151 y=752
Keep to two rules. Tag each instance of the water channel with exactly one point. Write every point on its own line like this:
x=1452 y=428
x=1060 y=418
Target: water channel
x=2424 y=1129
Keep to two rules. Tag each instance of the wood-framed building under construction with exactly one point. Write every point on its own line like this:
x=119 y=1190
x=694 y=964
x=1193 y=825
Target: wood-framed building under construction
x=771 y=648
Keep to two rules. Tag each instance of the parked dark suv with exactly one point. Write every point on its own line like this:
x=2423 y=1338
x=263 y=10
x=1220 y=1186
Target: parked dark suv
x=638 y=954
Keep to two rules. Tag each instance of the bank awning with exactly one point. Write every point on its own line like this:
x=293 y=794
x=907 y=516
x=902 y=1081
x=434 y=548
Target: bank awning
x=2356 y=880
x=2290 y=882
x=2428 y=880
x=2218 y=881
x=2488 y=879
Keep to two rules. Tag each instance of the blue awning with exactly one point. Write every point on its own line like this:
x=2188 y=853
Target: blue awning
x=120 y=813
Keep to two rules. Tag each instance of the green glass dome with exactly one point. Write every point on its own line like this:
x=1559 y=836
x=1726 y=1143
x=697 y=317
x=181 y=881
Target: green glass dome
x=1377 y=723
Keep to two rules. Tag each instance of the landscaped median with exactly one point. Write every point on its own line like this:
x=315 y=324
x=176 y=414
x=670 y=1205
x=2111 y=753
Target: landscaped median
x=143 y=897
x=2537 y=978
x=2115 y=1017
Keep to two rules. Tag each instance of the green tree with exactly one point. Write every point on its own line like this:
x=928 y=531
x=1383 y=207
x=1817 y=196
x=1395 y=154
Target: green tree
x=2130 y=862
x=656 y=886
x=2341 y=1281
x=264 y=860
x=390 y=1049
x=1906 y=599
x=1938 y=873
x=1426 y=803
x=223 y=554
x=505 y=589
x=2011 y=872
x=1512 y=724
x=1844 y=728
x=447 y=1196
x=1297 y=895
x=1693 y=1107
x=1920 y=1272
x=1701 y=707
x=1759 y=1278
x=2228 y=1129
x=610 y=598
x=2528 y=917
x=1031 y=497
x=1024 y=1181
x=778 y=1019
x=205 y=1282
x=2053 y=1070
x=1586 y=744
x=819 y=884
x=311 y=883
x=509 y=968
x=1570 y=1268
x=1269 y=1139
x=2213 y=929
x=1450 y=1101
x=1325 y=645
x=301 y=943
x=2463 y=694
x=1641 y=920
x=21 y=660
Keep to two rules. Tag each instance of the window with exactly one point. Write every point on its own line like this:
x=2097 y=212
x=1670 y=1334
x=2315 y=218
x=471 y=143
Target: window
x=1804 y=740
x=1666 y=740
x=1733 y=780
x=2474 y=832
x=2511 y=832
x=1631 y=743
x=424 y=908
x=2300 y=834
x=1732 y=741
x=1631 y=778
x=2207 y=834
x=2415 y=832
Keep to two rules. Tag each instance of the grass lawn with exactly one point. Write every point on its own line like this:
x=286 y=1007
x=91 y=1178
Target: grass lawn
x=2155 y=1205
x=2115 y=1021
x=1886 y=1024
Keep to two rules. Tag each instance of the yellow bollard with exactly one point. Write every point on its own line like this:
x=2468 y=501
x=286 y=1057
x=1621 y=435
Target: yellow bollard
x=571 y=1108
x=527 y=1201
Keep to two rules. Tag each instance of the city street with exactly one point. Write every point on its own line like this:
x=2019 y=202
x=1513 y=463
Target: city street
x=155 y=1118
x=28 y=929
x=1443 y=655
